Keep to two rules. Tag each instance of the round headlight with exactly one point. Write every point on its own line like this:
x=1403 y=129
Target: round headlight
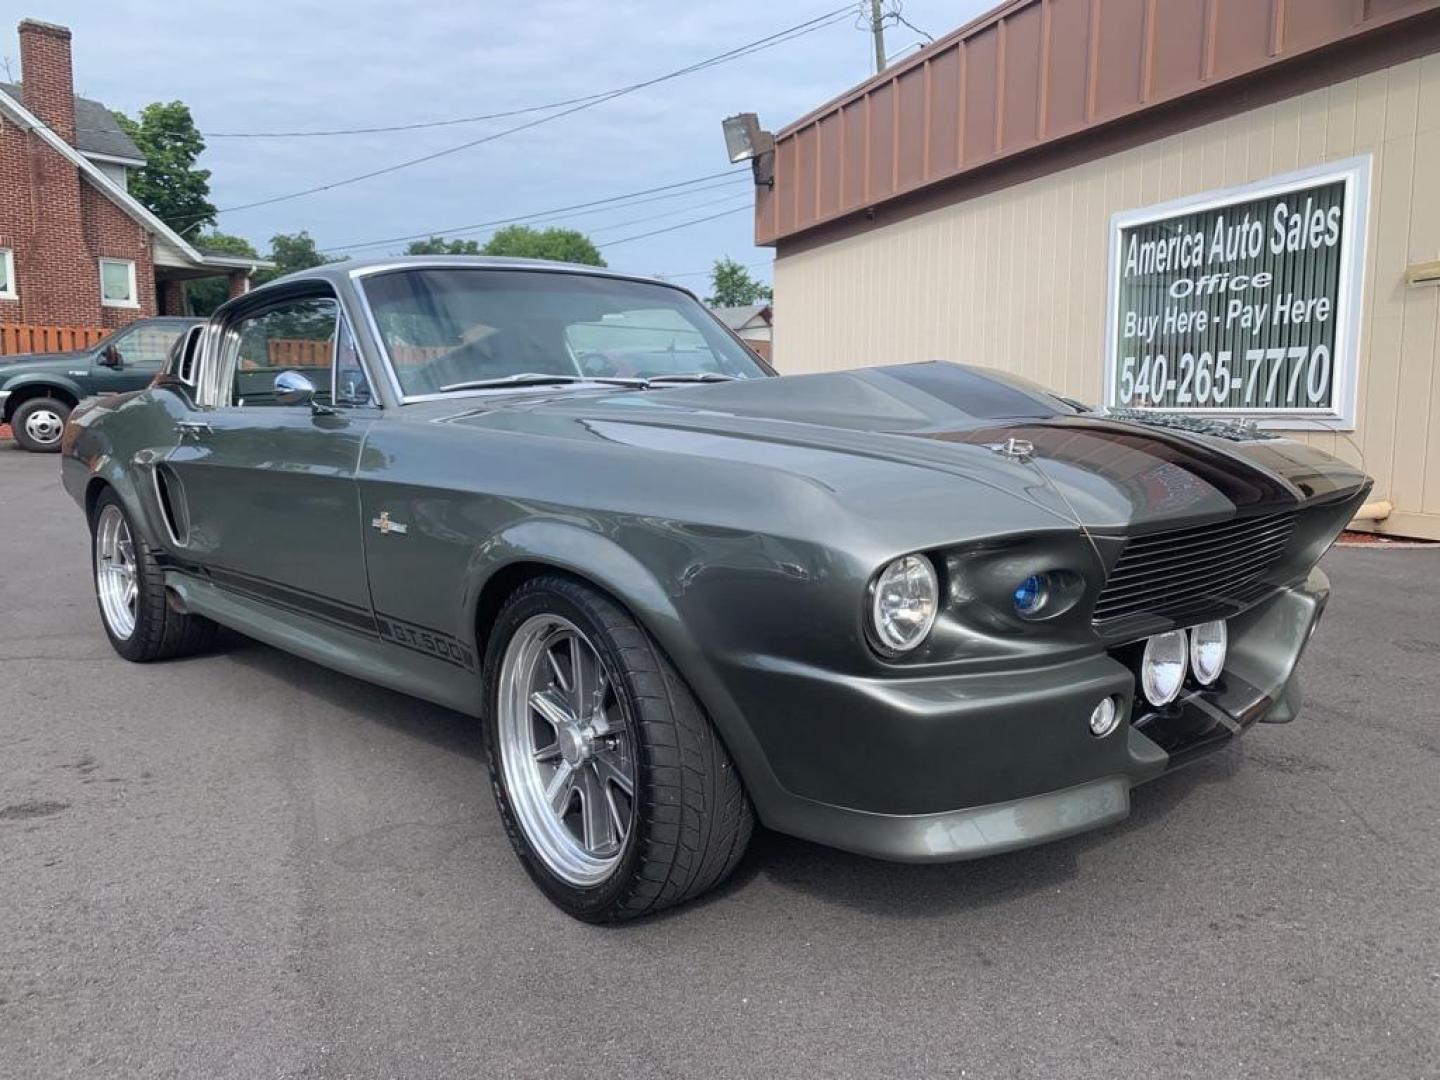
x=1031 y=595
x=905 y=602
x=1208 y=642
x=1162 y=668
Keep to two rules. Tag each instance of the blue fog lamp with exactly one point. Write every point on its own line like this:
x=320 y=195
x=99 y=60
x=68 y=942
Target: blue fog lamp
x=1031 y=596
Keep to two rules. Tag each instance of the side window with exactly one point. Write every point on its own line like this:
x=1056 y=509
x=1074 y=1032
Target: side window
x=147 y=348
x=295 y=335
x=351 y=385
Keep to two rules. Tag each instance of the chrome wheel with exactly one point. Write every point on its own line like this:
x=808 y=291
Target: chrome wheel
x=567 y=752
x=44 y=426
x=116 y=578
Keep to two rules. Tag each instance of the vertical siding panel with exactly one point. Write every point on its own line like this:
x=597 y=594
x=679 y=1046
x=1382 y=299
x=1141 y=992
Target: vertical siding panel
x=1340 y=108
x=1262 y=139
x=1392 y=240
x=1371 y=94
x=1430 y=495
x=1419 y=352
x=1414 y=382
x=1429 y=94
x=1402 y=100
x=1213 y=140
x=1313 y=111
x=1285 y=137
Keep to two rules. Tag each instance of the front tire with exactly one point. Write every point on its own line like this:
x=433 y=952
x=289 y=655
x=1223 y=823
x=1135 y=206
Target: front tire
x=615 y=790
x=39 y=423
x=130 y=591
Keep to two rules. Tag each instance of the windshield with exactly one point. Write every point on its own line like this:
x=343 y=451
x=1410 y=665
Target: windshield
x=453 y=326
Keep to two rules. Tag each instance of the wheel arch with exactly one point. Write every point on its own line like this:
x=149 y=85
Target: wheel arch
x=534 y=548
x=37 y=387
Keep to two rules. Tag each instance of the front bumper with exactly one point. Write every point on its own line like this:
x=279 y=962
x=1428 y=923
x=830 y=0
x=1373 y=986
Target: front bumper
x=951 y=768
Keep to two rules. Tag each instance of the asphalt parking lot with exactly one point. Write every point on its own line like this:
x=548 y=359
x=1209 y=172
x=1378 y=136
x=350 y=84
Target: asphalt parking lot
x=243 y=865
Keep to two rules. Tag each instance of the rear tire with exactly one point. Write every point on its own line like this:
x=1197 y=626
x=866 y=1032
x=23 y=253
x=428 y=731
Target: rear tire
x=686 y=820
x=39 y=423
x=130 y=591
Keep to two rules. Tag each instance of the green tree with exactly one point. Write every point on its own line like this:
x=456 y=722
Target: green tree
x=438 y=245
x=207 y=294
x=732 y=286
x=168 y=183
x=290 y=252
x=557 y=245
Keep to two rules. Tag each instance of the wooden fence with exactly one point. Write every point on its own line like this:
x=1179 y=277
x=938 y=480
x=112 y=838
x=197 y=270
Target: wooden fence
x=304 y=352
x=28 y=338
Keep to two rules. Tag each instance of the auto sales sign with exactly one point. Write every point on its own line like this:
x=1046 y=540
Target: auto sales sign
x=1242 y=302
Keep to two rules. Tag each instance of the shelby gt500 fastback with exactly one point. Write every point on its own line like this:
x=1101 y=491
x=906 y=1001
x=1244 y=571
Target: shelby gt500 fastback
x=922 y=612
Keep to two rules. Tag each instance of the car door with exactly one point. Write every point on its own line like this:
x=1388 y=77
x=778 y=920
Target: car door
x=268 y=486
x=130 y=358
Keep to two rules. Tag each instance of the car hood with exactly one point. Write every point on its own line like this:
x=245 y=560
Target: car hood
x=24 y=362
x=936 y=420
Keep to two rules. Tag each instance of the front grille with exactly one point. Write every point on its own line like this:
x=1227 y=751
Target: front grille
x=1184 y=571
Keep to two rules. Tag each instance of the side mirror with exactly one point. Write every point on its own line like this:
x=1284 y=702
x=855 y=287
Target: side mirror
x=110 y=357
x=292 y=388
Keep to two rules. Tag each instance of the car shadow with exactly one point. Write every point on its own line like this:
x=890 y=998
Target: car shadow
x=881 y=889
x=441 y=727
x=918 y=891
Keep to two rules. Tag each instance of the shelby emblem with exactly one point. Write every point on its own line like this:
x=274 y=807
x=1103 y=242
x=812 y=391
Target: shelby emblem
x=386 y=526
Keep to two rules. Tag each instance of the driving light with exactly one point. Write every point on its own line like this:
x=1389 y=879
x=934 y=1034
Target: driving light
x=1031 y=595
x=1208 y=642
x=1104 y=717
x=905 y=601
x=1162 y=668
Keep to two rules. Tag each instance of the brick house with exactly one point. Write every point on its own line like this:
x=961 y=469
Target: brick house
x=76 y=249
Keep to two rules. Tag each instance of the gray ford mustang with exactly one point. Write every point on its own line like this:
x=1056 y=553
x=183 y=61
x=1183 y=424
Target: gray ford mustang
x=923 y=612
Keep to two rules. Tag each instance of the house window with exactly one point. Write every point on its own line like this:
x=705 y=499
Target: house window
x=7 y=275
x=117 y=283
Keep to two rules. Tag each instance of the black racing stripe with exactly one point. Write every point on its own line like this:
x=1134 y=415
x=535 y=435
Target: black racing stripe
x=1198 y=723
x=423 y=639
x=298 y=600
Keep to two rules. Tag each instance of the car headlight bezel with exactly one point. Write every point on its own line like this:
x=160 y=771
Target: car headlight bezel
x=902 y=605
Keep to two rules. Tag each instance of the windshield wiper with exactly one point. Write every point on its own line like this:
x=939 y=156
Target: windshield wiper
x=692 y=377
x=536 y=378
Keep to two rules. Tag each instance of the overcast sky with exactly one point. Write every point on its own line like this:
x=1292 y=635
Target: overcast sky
x=322 y=64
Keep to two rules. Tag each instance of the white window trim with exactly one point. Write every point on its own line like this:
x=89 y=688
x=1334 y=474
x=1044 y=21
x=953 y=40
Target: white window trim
x=134 y=301
x=8 y=291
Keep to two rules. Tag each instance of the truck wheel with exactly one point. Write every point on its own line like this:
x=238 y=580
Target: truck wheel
x=614 y=788
x=39 y=423
x=130 y=589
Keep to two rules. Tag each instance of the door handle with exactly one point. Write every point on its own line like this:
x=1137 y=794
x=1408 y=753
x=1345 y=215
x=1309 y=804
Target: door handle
x=192 y=429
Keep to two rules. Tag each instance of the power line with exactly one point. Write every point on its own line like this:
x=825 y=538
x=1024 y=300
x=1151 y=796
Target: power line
x=781 y=37
x=683 y=225
x=748 y=202
x=745 y=205
x=607 y=203
x=424 y=124
x=711 y=270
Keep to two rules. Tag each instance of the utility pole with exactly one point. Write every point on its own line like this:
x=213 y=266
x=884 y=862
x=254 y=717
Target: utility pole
x=877 y=28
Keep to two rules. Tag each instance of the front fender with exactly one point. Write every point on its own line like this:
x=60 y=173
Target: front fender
x=598 y=559
x=46 y=380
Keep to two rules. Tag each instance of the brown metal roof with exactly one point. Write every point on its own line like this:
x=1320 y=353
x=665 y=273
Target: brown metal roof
x=1028 y=74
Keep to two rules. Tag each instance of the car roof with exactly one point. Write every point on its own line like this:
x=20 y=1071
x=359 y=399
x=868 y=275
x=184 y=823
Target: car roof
x=339 y=272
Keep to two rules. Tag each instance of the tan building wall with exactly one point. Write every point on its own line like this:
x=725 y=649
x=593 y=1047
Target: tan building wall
x=1016 y=278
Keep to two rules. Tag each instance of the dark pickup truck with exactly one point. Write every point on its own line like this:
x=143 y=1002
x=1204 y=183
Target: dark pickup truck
x=38 y=390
